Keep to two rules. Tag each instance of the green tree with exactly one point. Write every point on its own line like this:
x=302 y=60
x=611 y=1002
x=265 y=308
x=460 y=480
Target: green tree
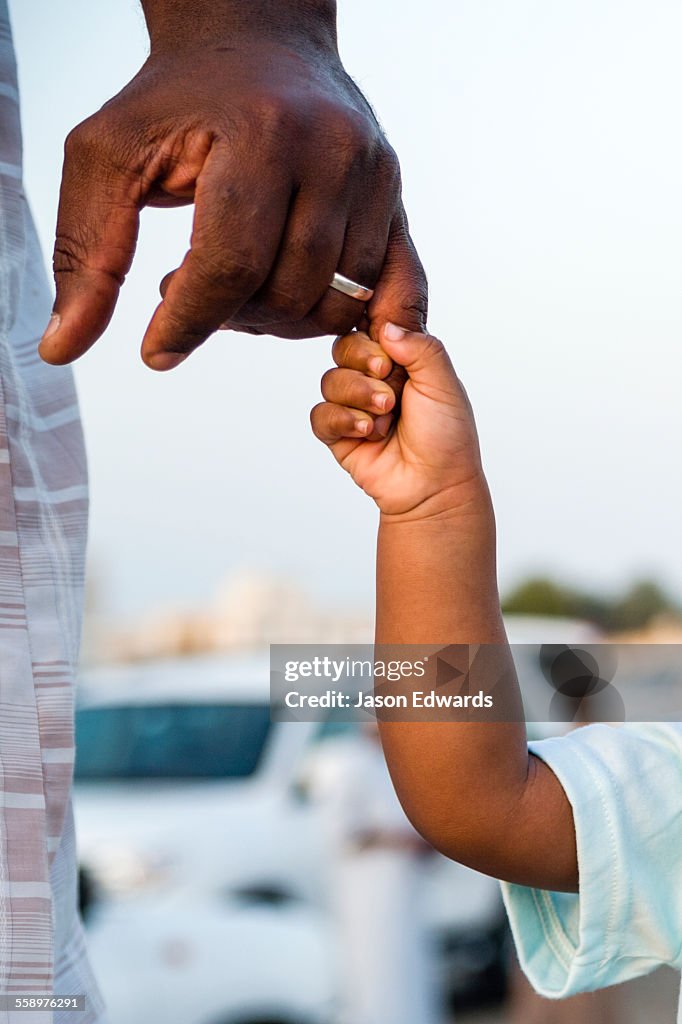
x=539 y=596
x=643 y=601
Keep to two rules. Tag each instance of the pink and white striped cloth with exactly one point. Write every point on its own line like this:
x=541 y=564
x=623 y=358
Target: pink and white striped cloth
x=43 y=520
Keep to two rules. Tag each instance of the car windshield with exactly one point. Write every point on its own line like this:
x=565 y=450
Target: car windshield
x=170 y=741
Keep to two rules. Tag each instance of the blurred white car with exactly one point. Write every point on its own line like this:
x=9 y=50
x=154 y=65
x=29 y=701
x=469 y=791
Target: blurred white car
x=202 y=862
x=195 y=851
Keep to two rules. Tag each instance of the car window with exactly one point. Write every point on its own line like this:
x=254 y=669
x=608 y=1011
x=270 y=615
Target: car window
x=170 y=741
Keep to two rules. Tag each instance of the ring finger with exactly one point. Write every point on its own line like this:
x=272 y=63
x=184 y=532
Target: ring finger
x=364 y=250
x=309 y=254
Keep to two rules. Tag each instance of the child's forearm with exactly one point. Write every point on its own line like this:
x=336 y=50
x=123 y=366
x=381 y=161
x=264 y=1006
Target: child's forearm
x=470 y=788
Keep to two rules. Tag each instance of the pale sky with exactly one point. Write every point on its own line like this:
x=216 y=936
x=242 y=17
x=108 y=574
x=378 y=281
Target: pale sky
x=542 y=159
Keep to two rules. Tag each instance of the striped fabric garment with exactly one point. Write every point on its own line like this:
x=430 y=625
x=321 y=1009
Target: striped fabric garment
x=43 y=519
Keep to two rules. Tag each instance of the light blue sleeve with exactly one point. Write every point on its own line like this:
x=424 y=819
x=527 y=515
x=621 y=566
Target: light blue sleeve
x=625 y=787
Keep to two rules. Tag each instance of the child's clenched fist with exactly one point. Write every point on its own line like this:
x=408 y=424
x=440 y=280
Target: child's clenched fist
x=421 y=462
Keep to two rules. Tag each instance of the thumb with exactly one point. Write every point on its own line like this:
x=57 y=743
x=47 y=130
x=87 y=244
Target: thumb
x=97 y=228
x=422 y=356
x=401 y=294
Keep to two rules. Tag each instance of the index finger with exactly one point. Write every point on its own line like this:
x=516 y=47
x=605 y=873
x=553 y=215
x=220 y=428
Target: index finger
x=238 y=226
x=357 y=351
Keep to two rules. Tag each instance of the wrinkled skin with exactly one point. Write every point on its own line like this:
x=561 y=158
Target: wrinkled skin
x=291 y=177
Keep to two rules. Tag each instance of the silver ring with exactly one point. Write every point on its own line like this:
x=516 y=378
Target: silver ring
x=352 y=288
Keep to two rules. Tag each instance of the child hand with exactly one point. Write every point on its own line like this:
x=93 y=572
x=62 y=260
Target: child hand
x=430 y=461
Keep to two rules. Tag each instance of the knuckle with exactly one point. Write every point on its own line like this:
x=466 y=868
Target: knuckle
x=366 y=265
x=336 y=419
x=69 y=254
x=106 y=145
x=337 y=321
x=433 y=348
x=419 y=308
x=352 y=131
x=415 y=307
x=342 y=349
x=284 y=308
x=390 y=166
x=316 y=245
x=75 y=253
x=87 y=138
x=328 y=381
x=228 y=272
x=381 y=175
x=352 y=350
x=78 y=140
x=272 y=113
x=319 y=420
x=358 y=131
x=185 y=331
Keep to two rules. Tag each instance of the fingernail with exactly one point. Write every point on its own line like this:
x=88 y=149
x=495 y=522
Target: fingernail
x=52 y=326
x=166 y=360
x=363 y=426
x=393 y=333
x=383 y=424
x=380 y=400
x=377 y=365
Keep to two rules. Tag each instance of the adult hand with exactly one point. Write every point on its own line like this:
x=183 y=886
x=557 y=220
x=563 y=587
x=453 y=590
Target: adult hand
x=246 y=111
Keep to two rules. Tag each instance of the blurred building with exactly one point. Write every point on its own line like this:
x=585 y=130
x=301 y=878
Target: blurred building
x=249 y=611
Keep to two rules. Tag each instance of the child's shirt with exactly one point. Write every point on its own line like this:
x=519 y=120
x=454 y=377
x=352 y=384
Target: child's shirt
x=625 y=788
